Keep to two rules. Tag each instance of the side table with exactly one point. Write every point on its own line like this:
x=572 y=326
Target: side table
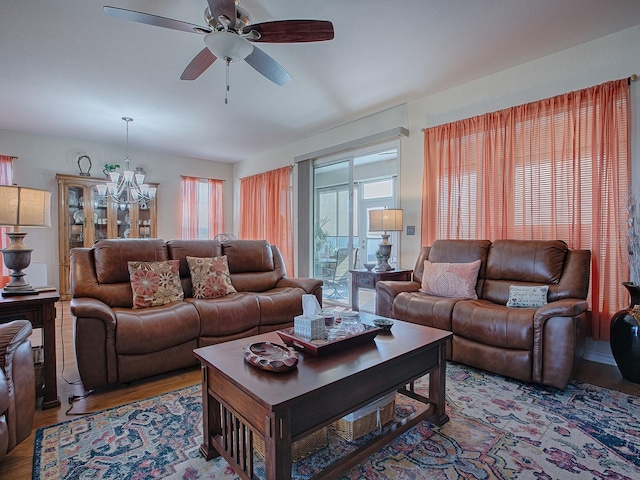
x=368 y=279
x=40 y=310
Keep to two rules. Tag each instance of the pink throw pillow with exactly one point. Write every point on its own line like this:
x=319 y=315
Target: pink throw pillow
x=453 y=280
x=155 y=283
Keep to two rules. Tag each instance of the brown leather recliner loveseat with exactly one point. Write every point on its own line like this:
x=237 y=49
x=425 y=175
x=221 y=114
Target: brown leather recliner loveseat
x=17 y=384
x=541 y=345
x=116 y=343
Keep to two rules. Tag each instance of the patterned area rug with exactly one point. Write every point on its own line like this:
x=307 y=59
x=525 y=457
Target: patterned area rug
x=498 y=428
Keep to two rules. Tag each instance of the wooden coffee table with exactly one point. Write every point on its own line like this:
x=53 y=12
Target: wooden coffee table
x=241 y=401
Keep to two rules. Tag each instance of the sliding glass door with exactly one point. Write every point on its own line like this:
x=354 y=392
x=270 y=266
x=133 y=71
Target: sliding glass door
x=345 y=188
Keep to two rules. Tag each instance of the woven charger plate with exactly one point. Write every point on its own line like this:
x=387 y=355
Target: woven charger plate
x=270 y=356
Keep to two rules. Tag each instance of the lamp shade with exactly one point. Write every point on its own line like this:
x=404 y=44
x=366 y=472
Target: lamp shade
x=388 y=220
x=24 y=207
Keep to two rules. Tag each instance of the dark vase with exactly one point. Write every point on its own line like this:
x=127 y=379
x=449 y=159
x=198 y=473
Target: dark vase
x=625 y=336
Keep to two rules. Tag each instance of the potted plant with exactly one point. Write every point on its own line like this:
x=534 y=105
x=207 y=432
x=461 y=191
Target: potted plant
x=320 y=234
x=110 y=167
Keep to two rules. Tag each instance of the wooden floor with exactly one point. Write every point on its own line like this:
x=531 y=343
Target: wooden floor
x=17 y=465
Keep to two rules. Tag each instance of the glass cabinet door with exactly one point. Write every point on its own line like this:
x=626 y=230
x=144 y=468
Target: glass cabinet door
x=76 y=216
x=123 y=221
x=100 y=216
x=144 y=221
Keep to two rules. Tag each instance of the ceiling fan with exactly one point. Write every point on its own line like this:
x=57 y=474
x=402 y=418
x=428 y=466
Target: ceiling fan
x=230 y=35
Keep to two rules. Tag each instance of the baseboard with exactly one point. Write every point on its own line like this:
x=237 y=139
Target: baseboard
x=599 y=357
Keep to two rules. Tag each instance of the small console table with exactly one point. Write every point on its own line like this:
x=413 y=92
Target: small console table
x=40 y=310
x=368 y=279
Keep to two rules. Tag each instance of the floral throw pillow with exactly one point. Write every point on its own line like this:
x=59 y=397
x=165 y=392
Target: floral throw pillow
x=210 y=276
x=527 y=297
x=155 y=283
x=453 y=280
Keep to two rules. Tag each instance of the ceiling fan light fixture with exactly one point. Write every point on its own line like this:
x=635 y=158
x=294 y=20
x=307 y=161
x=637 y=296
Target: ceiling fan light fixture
x=228 y=46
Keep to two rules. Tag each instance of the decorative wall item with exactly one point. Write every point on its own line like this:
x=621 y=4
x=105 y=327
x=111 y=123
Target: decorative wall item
x=85 y=161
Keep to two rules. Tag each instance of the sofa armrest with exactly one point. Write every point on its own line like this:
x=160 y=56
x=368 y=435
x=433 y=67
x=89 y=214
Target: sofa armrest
x=95 y=339
x=386 y=292
x=312 y=286
x=558 y=336
x=85 y=307
x=17 y=365
x=12 y=334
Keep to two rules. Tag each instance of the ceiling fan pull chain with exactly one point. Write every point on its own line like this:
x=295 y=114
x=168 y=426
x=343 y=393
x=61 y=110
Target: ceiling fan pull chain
x=226 y=93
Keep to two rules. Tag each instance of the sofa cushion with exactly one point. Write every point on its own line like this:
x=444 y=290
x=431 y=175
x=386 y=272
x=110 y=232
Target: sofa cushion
x=171 y=324
x=210 y=277
x=496 y=325
x=423 y=309
x=453 y=280
x=511 y=262
x=180 y=249
x=155 y=283
x=522 y=296
x=112 y=255
x=229 y=315
x=280 y=305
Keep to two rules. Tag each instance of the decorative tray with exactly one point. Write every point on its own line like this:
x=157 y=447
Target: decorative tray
x=324 y=347
x=270 y=356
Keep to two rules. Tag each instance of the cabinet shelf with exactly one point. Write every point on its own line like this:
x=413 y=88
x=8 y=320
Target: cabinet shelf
x=75 y=194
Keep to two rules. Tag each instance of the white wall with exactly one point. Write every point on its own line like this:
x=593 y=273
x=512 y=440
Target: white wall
x=41 y=157
x=608 y=58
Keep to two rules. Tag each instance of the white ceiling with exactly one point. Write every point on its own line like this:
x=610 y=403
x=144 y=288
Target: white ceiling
x=69 y=70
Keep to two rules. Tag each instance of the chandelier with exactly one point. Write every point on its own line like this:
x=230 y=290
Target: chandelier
x=129 y=187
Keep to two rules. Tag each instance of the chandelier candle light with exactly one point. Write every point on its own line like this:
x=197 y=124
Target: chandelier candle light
x=387 y=220
x=21 y=207
x=128 y=188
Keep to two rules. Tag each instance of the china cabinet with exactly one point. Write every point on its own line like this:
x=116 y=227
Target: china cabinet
x=84 y=217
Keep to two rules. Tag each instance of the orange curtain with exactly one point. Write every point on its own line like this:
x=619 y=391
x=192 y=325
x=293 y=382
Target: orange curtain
x=265 y=211
x=198 y=204
x=216 y=206
x=553 y=169
x=190 y=205
x=6 y=178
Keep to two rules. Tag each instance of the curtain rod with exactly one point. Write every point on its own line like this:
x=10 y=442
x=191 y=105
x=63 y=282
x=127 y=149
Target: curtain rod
x=632 y=78
x=203 y=178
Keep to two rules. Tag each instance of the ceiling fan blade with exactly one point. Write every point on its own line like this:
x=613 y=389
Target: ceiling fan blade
x=198 y=65
x=155 y=20
x=225 y=8
x=291 y=31
x=268 y=67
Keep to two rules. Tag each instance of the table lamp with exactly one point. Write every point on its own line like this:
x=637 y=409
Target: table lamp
x=387 y=220
x=21 y=207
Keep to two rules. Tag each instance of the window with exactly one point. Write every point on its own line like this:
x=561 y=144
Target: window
x=553 y=169
x=202 y=207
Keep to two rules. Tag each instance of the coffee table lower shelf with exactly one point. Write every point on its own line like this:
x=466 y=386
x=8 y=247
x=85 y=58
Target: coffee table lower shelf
x=237 y=440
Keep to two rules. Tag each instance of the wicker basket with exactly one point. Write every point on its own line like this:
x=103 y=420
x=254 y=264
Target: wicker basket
x=367 y=419
x=38 y=366
x=300 y=449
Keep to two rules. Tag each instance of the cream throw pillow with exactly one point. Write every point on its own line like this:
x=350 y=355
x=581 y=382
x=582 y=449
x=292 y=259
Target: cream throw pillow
x=453 y=280
x=527 y=297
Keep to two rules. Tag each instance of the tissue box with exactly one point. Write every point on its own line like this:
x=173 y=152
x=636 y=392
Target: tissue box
x=311 y=328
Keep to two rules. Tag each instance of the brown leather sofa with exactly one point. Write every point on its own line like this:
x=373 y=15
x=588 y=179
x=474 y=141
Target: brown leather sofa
x=117 y=344
x=17 y=385
x=541 y=345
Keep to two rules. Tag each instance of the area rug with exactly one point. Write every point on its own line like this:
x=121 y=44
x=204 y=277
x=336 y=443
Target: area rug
x=498 y=428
